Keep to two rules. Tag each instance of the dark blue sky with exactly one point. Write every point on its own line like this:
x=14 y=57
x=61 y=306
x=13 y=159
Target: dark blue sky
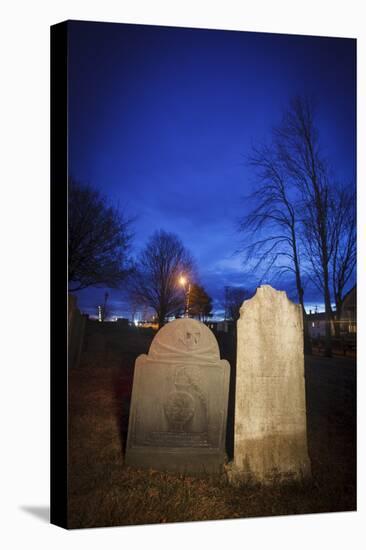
x=161 y=120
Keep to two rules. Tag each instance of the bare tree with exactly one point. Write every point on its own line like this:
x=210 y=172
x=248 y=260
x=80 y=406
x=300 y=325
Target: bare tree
x=234 y=298
x=156 y=280
x=343 y=262
x=299 y=223
x=297 y=143
x=98 y=239
x=273 y=225
x=200 y=303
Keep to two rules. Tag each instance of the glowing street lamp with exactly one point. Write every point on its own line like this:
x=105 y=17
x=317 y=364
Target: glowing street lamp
x=183 y=281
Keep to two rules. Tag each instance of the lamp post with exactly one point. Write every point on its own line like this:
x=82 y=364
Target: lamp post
x=183 y=281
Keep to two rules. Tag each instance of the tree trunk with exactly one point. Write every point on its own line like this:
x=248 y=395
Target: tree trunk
x=300 y=293
x=328 y=322
x=327 y=300
x=308 y=350
x=337 y=317
x=161 y=318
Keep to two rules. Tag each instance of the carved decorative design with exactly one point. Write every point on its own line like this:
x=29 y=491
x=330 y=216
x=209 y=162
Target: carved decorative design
x=179 y=409
x=190 y=338
x=186 y=339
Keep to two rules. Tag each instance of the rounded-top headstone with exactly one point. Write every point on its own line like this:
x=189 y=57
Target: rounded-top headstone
x=179 y=402
x=186 y=340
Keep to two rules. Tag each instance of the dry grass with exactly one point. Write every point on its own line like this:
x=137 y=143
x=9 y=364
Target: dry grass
x=104 y=492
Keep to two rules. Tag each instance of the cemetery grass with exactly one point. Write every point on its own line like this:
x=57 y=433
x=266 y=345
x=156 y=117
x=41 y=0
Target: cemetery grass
x=104 y=492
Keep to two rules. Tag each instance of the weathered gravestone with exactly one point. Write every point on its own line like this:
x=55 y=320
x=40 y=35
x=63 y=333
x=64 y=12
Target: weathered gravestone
x=76 y=330
x=179 y=402
x=270 y=440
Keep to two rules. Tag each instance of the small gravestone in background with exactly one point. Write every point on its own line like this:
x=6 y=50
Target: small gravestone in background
x=270 y=441
x=76 y=330
x=179 y=402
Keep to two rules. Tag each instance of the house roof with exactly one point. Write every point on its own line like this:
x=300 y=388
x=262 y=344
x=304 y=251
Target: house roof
x=350 y=298
x=316 y=316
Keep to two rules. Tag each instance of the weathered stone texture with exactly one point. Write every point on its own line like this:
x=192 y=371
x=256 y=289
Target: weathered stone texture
x=270 y=410
x=76 y=329
x=179 y=401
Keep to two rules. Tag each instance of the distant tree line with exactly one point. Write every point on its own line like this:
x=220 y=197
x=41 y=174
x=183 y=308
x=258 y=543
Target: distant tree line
x=234 y=298
x=99 y=247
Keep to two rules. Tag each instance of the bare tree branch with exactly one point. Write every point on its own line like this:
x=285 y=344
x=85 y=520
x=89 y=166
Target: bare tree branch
x=98 y=239
x=155 y=281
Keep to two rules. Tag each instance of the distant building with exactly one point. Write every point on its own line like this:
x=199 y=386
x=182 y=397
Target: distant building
x=348 y=318
x=122 y=322
x=147 y=324
x=221 y=326
x=347 y=321
x=76 y=329
x=316 y=325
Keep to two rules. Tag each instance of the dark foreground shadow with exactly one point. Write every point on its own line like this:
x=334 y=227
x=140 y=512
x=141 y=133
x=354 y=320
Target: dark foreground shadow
x=40 y=512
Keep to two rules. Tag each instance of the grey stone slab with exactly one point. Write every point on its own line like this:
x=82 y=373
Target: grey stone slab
x=179 y=401
x=270 y=440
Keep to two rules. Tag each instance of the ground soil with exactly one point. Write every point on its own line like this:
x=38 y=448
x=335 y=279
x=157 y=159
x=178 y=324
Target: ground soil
x=104 y=492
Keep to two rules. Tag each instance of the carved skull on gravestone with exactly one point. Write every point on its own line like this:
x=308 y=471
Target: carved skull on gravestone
x=190 y=337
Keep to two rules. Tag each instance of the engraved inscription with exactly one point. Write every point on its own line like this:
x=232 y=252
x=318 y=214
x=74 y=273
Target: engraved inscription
x=177 y=439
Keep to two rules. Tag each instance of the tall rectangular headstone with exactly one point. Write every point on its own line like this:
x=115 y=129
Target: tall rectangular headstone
x=270 y=440
x=178 y=410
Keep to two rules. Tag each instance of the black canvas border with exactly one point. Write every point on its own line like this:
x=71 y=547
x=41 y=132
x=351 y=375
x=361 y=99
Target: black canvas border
x=59 y=367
